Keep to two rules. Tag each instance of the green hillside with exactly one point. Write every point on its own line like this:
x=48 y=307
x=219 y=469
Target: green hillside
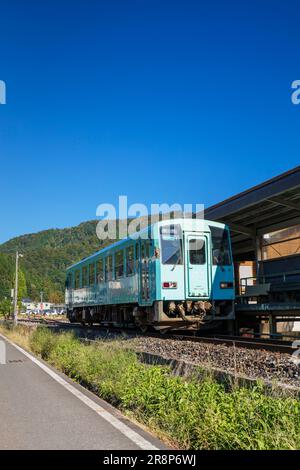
x=46 y=256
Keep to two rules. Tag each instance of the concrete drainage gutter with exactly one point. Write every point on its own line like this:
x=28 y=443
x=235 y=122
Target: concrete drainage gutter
x=229 y=379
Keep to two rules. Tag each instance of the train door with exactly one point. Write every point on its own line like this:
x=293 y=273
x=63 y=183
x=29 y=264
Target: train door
x=197 y=279
x=145 y=277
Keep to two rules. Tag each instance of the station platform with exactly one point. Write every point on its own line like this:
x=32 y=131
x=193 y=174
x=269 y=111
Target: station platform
x=41 y=409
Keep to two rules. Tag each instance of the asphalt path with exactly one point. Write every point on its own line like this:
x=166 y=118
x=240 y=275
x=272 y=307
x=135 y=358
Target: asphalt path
x=41 y=408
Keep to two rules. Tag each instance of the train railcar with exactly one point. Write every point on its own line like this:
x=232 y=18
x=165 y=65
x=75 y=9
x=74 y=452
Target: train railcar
x=174 y=274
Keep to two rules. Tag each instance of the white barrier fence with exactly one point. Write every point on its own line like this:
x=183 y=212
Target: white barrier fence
x=2 y=352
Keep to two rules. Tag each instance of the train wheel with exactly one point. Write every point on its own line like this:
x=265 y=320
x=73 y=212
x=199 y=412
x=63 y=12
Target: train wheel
x=142 y=327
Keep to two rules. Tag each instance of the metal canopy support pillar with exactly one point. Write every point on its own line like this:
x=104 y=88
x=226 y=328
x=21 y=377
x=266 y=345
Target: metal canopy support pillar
x=272 y=325
x=258 y=252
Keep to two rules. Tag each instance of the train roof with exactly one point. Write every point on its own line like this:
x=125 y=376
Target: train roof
x=185 y=222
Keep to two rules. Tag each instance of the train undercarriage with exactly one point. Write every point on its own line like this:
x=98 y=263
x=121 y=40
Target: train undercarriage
x=161 y=316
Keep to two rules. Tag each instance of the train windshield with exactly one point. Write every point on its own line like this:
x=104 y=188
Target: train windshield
x=220 y=247
x=171 y=244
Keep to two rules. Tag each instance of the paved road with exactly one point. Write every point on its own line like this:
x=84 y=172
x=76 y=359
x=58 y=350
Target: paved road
x=37 y=412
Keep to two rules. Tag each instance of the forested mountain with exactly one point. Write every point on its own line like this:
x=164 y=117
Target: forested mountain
x=46 y=256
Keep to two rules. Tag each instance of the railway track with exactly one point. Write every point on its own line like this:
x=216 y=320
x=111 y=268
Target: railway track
x=241 y=342
x=91 y=333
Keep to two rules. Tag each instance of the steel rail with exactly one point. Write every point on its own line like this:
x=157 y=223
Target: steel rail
x=274 y=345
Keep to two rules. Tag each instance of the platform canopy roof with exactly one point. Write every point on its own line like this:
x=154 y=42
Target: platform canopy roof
x=267 y=207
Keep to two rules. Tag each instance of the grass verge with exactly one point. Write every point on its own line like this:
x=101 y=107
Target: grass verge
x=190 y=414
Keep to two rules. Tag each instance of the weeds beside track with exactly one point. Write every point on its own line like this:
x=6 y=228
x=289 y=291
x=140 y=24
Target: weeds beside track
x=189 y=414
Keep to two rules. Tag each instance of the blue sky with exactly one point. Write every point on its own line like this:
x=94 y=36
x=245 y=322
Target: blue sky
x=163 y=101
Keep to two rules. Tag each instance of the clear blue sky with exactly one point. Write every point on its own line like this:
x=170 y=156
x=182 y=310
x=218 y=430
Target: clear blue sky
x=164 y=101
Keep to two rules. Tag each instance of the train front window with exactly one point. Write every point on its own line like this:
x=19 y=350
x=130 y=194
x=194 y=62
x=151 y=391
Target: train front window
x=171 y=244
x=220 y=247
x=197 y=251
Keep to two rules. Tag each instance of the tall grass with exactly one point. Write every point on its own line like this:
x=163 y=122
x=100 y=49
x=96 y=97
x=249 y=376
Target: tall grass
x=190 y=414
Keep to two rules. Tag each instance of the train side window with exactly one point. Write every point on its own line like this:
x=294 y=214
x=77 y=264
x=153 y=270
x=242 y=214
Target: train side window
x=108 y=268
x=148 y=249
x=84 y=276
x=77 y=279
x=100 y=273
x=69 y=283
x=129 y=260
x=112 y=264
x=197 y=251
x=137 y=256
x=92 y=274
x=143 y=252
x=119 y=264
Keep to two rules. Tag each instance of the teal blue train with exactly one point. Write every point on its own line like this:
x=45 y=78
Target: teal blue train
x=174 y=274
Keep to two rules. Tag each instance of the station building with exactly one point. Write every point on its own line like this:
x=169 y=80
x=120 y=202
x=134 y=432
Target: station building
x=264 y=222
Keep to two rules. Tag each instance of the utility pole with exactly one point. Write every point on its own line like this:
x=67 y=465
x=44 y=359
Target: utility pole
x=16 y=289
x=41 y=305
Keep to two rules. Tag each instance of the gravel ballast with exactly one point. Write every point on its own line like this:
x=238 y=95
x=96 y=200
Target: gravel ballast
x=252 y=363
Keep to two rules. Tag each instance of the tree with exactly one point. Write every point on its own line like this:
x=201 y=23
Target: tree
x=47 y=254
x=22 y=287
x=56 y=297
x=5 y=307
x=6 y=275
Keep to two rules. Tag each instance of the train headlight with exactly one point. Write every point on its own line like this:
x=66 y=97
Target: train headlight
x=169 y=285
x=226 y=285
